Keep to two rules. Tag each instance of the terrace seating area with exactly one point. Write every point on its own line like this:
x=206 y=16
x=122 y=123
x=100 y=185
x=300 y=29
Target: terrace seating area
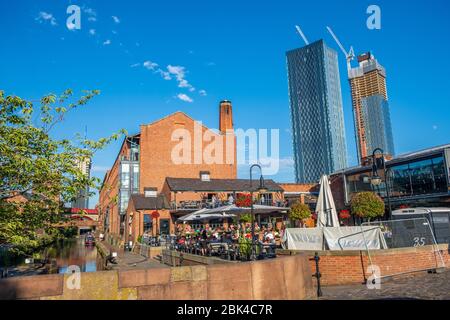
x=233 y=243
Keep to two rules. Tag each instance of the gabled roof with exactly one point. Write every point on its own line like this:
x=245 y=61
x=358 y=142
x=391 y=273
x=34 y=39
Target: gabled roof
x=219 y=185
x=183 y=114
x=149 y=203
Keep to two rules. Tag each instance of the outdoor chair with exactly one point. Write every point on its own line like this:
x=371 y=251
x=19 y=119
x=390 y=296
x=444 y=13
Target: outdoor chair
x=215 y=248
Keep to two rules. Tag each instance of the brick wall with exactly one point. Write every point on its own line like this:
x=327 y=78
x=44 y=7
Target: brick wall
x=349 y=267
x=156 y=161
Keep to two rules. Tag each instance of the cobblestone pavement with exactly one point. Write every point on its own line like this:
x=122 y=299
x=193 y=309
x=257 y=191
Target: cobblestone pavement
x=424 y=286
x=129 y=261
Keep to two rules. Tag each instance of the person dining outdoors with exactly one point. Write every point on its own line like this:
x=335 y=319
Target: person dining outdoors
x=214 y=201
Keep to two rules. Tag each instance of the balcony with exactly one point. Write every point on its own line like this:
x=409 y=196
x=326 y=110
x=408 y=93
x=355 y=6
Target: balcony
x=197 y=205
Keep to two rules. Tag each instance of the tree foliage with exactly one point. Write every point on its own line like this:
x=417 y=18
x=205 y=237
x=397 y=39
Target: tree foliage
x=39 y=173
x=245 y=218
x=367 y=205
x=299 y=211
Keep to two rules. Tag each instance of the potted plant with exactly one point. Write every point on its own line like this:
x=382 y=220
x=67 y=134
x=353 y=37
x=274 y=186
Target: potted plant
x=299 y=212
x=367 y=205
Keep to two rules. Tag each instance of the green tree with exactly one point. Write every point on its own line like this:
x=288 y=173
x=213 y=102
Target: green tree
x=245 y=218
x=367 y=205
x=299 y=212
x=39 y=173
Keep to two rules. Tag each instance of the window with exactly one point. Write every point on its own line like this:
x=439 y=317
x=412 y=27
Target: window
x=148 y=223
x=135 y=177
x=164 y=226
x=439 y=175
x=266 y=199
x=124 y=197
x=422 y=177
x=401 y=181
x=359 y=182
x=134 y=153
x=125 y=176
x=150 y=193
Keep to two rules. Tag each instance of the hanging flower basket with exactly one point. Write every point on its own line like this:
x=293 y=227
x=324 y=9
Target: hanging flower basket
x=344 y=215
x=244 y=201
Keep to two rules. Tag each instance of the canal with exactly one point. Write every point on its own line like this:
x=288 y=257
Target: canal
x=59 y=257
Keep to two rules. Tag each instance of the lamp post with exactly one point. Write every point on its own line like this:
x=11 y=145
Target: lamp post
x=260 y=189
x=376 y=179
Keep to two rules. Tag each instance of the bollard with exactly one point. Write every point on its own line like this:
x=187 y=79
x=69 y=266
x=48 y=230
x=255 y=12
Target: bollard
x=317 y=274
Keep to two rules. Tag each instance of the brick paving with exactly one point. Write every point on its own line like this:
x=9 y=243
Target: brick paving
x=127 y=260
x=423 y=286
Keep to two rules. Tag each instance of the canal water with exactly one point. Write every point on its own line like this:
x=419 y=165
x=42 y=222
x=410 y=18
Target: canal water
x=60 y=256
x=74 y=252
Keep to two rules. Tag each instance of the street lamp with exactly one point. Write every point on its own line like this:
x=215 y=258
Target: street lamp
x=376 y=179
x=261 y=189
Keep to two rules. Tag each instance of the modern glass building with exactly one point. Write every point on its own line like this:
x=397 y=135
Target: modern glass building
x=316 y=111
x=415 y=179
x=129 y=178
x=377 y=120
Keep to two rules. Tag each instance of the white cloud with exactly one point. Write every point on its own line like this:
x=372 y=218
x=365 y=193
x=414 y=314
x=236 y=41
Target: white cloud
x=164 y=74
x=114 y=32
x=183 y=83
x=135 y=65
x=91 y=13
x=107 y=42
x=202 y=92
x=92 y=32
x=46 y=17
x=116 y=19
x=150 y=65
x=184 y=97
x=180 y=72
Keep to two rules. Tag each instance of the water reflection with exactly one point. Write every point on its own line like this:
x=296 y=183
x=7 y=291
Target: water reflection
x=74 y=252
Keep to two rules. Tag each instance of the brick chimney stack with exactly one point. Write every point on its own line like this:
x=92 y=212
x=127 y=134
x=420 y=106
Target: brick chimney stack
x=225 y=116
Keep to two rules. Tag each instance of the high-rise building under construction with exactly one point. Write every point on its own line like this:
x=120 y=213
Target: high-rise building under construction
x=370 y=107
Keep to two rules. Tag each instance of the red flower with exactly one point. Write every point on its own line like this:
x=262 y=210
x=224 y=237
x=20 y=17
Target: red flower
x=344 y=214
x=244 y=200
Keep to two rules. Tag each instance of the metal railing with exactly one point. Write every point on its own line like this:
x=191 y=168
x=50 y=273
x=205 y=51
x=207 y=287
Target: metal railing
x=403 y=234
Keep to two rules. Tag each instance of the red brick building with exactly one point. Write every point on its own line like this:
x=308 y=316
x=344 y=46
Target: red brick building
x=175 y=146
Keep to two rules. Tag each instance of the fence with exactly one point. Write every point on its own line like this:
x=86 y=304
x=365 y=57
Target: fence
x=409 y=233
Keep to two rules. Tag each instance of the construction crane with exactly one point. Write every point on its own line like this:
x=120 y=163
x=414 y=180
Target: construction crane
x=300 y=32
x=349 y=56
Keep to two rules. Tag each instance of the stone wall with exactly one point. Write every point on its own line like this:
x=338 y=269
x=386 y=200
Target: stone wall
x=281 y=278
x=350 y=267
x=177 y=259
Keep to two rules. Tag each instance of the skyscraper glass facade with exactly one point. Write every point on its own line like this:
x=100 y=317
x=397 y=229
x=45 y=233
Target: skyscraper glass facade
x=316 y=111
x=377 y=121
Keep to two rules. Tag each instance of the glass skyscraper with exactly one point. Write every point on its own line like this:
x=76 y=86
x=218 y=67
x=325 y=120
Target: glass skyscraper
x=316 y=111
x=377 y=120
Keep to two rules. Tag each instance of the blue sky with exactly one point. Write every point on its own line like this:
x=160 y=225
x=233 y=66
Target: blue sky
x=230 y=49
